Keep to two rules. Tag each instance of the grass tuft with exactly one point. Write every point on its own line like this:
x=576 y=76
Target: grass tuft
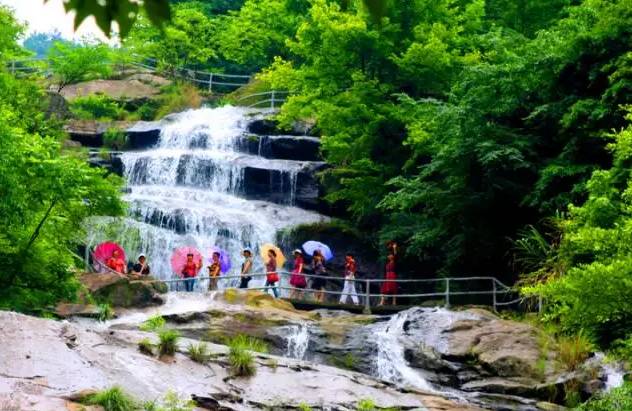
x=105 y=312
x=574 y=350
x=146 y=347
x=113 y=399
x=153 y=323
x=168 y=343
x=240 y=356
x=199 y=353
x=248 y=343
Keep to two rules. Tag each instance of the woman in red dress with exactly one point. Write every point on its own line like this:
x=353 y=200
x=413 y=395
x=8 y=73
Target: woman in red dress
x=389 y=286
x=297 y=279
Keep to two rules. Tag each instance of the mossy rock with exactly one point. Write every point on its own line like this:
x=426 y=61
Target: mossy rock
x=117 y=291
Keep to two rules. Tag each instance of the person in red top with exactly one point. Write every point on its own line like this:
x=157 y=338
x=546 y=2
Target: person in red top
x=116 y=263
x=349 y=286
x=389 y=286
x=297 y=279
x=189 y=271
x=271 y=275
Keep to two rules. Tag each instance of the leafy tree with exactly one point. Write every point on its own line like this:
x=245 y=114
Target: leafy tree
x=72 y=63
x=41 y=43
x=10 y=32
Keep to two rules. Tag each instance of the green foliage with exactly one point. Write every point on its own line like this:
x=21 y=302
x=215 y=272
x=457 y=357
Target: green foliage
x=242 y=363
x=154 y=323
x=170 y=402
x=304 y=407
x=71 y=63
x=366 y=405
x=616 y=399
x=10 y=32
x=168 y=342
x=594 y=292
x=97 y=107
x=46 y=197
x=347 y=361
x=146 y=347
x=114 y=138
x=178 y=97
x=113 y=399
x=245 y=342
x=105 y=312
x=574 y=350
x=199 y=353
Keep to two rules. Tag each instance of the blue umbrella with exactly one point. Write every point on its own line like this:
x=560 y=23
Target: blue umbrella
x=311 y=246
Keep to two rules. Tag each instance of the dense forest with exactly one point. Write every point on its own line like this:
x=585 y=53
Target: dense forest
x=486 y=137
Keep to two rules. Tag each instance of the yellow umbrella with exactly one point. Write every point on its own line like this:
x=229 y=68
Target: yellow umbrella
x=280 y=258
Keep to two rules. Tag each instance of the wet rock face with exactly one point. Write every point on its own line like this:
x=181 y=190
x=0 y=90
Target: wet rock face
x=47 y=364
x=123 y=292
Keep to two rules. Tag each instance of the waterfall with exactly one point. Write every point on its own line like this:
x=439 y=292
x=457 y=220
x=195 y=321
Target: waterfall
x=193 y=189
x=297 y=341
x=390 y=361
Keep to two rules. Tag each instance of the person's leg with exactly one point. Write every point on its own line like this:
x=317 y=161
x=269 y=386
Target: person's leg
x=354 y=294
x=345 y=291
x=275 y=290
x=188 y=284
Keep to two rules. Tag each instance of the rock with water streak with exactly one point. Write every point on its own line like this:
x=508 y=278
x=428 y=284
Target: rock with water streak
x=40 y=369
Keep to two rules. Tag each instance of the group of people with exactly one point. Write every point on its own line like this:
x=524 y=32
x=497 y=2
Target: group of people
x=298 y=278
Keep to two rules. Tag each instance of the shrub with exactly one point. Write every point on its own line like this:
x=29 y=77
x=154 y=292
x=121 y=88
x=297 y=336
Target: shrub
x=153 y=323
x=146 y=347
x=199 y=353
x=304 y=407
x=114 y=138
x=178 y=97
x=616 y=399
x=113 y=399
x=97 y=107
x=574 y=350
x=168 y=343
x=105 y=312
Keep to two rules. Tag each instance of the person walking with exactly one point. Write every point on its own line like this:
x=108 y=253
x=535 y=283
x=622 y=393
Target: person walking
x=189 y=271
x=271 y=275
x=297 y=279
x=389 y=286
x=246 y=267
x=318 y=283
x=349 y=288
x=213 y=272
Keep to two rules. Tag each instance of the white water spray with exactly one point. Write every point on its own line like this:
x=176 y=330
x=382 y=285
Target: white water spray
x=297 y=341
x=189 y=191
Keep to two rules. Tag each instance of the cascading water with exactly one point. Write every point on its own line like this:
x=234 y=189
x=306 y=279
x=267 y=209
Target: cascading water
x=390 y=361
x=297 y=341
x=190 y=190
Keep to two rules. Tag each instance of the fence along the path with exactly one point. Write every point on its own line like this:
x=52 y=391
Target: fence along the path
x=369 y=299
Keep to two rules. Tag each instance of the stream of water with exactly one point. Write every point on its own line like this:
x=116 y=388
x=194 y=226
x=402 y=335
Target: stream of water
x=190 y=189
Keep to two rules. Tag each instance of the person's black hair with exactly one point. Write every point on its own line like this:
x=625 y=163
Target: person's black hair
x=247 y=251
x=273 y=252
x=190 y=255
x=350 y=255
x=216 y=254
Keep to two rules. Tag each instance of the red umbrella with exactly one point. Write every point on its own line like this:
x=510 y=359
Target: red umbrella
x=104 y=251
x=179 y=258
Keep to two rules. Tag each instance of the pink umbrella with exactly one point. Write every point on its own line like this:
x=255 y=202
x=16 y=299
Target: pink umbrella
x=224 y=259
x=104 y=251
x=179 y=258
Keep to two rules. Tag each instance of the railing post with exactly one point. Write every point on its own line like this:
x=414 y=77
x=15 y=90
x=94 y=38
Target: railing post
x=494 y=294
x=272 y=100
x=367 y=297
x=540 y=304
x=447 y=292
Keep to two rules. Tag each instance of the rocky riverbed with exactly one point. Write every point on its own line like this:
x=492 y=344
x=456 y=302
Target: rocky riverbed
x=422 y=358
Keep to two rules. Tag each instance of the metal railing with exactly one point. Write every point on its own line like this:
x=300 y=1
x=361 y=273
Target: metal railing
x=443 y=288
x=273 y=99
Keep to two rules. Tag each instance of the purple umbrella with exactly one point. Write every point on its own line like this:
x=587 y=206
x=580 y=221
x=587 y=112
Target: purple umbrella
x=311 y=246
x=224 y=259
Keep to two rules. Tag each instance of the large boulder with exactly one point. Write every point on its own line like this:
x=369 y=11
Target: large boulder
x=143 y=134
x=121 y=291
x=300 y=148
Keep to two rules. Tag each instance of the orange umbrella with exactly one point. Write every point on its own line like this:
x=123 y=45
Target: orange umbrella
x=280 y=258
